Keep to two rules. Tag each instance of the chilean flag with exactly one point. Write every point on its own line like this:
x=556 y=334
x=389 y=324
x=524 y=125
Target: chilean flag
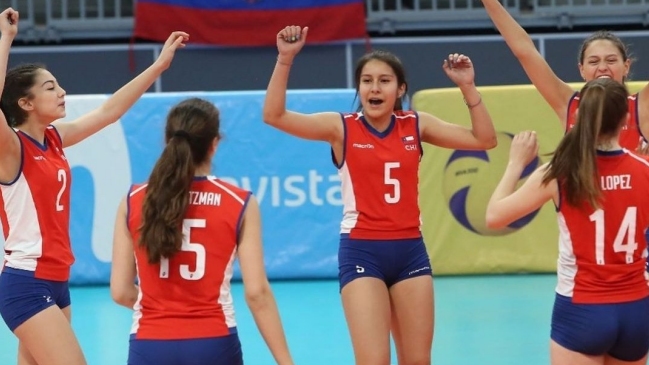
x=249 y=22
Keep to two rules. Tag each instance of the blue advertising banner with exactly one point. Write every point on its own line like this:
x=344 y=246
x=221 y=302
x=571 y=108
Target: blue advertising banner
x=294 y=180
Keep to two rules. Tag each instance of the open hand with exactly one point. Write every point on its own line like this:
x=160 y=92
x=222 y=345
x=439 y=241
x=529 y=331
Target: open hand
x=176 y=40
x=459 y=69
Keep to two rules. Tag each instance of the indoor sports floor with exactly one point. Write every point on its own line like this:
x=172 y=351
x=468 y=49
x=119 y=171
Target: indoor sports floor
x=485 y=320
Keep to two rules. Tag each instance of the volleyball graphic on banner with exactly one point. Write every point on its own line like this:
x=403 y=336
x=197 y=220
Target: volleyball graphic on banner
x=470 y=178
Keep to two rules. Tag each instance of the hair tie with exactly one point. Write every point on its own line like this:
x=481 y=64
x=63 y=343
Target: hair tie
x=182 y=134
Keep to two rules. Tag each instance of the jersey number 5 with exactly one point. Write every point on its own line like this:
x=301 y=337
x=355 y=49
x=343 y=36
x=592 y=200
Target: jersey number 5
x=389 y=180
x=188 y=246
x=626 y=232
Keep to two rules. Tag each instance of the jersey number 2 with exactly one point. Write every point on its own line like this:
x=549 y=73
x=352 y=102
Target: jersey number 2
x=626 y=232
x=62 y=177
x=389 y=180
x=188 y=246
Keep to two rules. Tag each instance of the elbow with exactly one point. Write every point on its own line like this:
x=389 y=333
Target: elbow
x=493 y=220
x=121 y=296
x=257 y=297
x=491 y=143
x=524 y=48
x=485 y=142
x=271 y=117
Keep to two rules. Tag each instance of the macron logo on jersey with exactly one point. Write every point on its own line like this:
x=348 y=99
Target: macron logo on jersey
x=39 y=158
x=367 y=145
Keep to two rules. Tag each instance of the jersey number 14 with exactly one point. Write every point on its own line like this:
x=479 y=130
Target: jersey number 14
x=626 y=232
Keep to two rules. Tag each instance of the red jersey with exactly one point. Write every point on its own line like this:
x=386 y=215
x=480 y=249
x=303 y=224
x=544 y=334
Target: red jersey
x=35 y=212
x=188 y=295
x=602 y=253
x=380 y=178
x=629 y=135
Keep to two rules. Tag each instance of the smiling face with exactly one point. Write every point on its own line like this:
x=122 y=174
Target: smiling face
x=380 y=84
x=604 y=55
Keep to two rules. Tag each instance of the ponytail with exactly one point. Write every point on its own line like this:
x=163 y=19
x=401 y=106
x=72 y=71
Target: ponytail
x=602 y=110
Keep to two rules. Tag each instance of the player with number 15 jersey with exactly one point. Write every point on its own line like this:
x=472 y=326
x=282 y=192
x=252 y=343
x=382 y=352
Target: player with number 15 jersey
x=179 y=235
x=188 y=295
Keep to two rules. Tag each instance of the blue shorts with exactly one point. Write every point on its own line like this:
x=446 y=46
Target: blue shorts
x=22 y=296
x=620 y=330
x=224 y=350
x=391 y=260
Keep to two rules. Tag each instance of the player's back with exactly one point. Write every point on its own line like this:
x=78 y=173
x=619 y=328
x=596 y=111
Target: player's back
x=629 y=135
x=188 y=295
x=603 y=251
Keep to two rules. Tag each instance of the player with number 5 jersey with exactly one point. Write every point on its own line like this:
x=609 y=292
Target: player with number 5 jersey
x=35 y=183
x=601 y=309
x=179 y=235
x=384 y=269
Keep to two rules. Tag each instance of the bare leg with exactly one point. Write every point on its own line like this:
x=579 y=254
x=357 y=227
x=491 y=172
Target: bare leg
x=367 y=308
x=413 y=318
x=24 y=357
x=48 y=338
x=613 y=361
x=560 y=355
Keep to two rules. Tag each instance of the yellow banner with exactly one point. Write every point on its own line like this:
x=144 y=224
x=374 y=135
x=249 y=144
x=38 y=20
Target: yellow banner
x=455 y=186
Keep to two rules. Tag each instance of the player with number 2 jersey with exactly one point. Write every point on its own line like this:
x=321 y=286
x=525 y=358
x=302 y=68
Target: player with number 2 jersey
x=36 y=210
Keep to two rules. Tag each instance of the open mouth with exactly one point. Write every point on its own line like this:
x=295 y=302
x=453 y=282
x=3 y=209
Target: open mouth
x=375 y=101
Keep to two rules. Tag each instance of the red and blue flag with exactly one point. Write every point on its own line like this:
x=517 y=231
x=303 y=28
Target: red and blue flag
x=249 y=22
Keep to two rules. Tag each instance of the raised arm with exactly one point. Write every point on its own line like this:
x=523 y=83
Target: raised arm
x=320 y=126
x=556 y=92
x=508 y=204
x=481 y=135
x=258 y=293
x=122 y=274
x=110 y=111
x=10 y=150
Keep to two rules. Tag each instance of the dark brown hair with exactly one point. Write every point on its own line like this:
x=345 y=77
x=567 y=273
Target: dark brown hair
x=192 y=126
x=391 y=60
x=602 y=112
x=18 y=83
x=605 y=35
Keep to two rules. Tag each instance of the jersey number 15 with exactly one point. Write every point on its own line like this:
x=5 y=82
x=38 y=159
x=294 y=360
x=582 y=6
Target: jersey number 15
x=188 y=246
